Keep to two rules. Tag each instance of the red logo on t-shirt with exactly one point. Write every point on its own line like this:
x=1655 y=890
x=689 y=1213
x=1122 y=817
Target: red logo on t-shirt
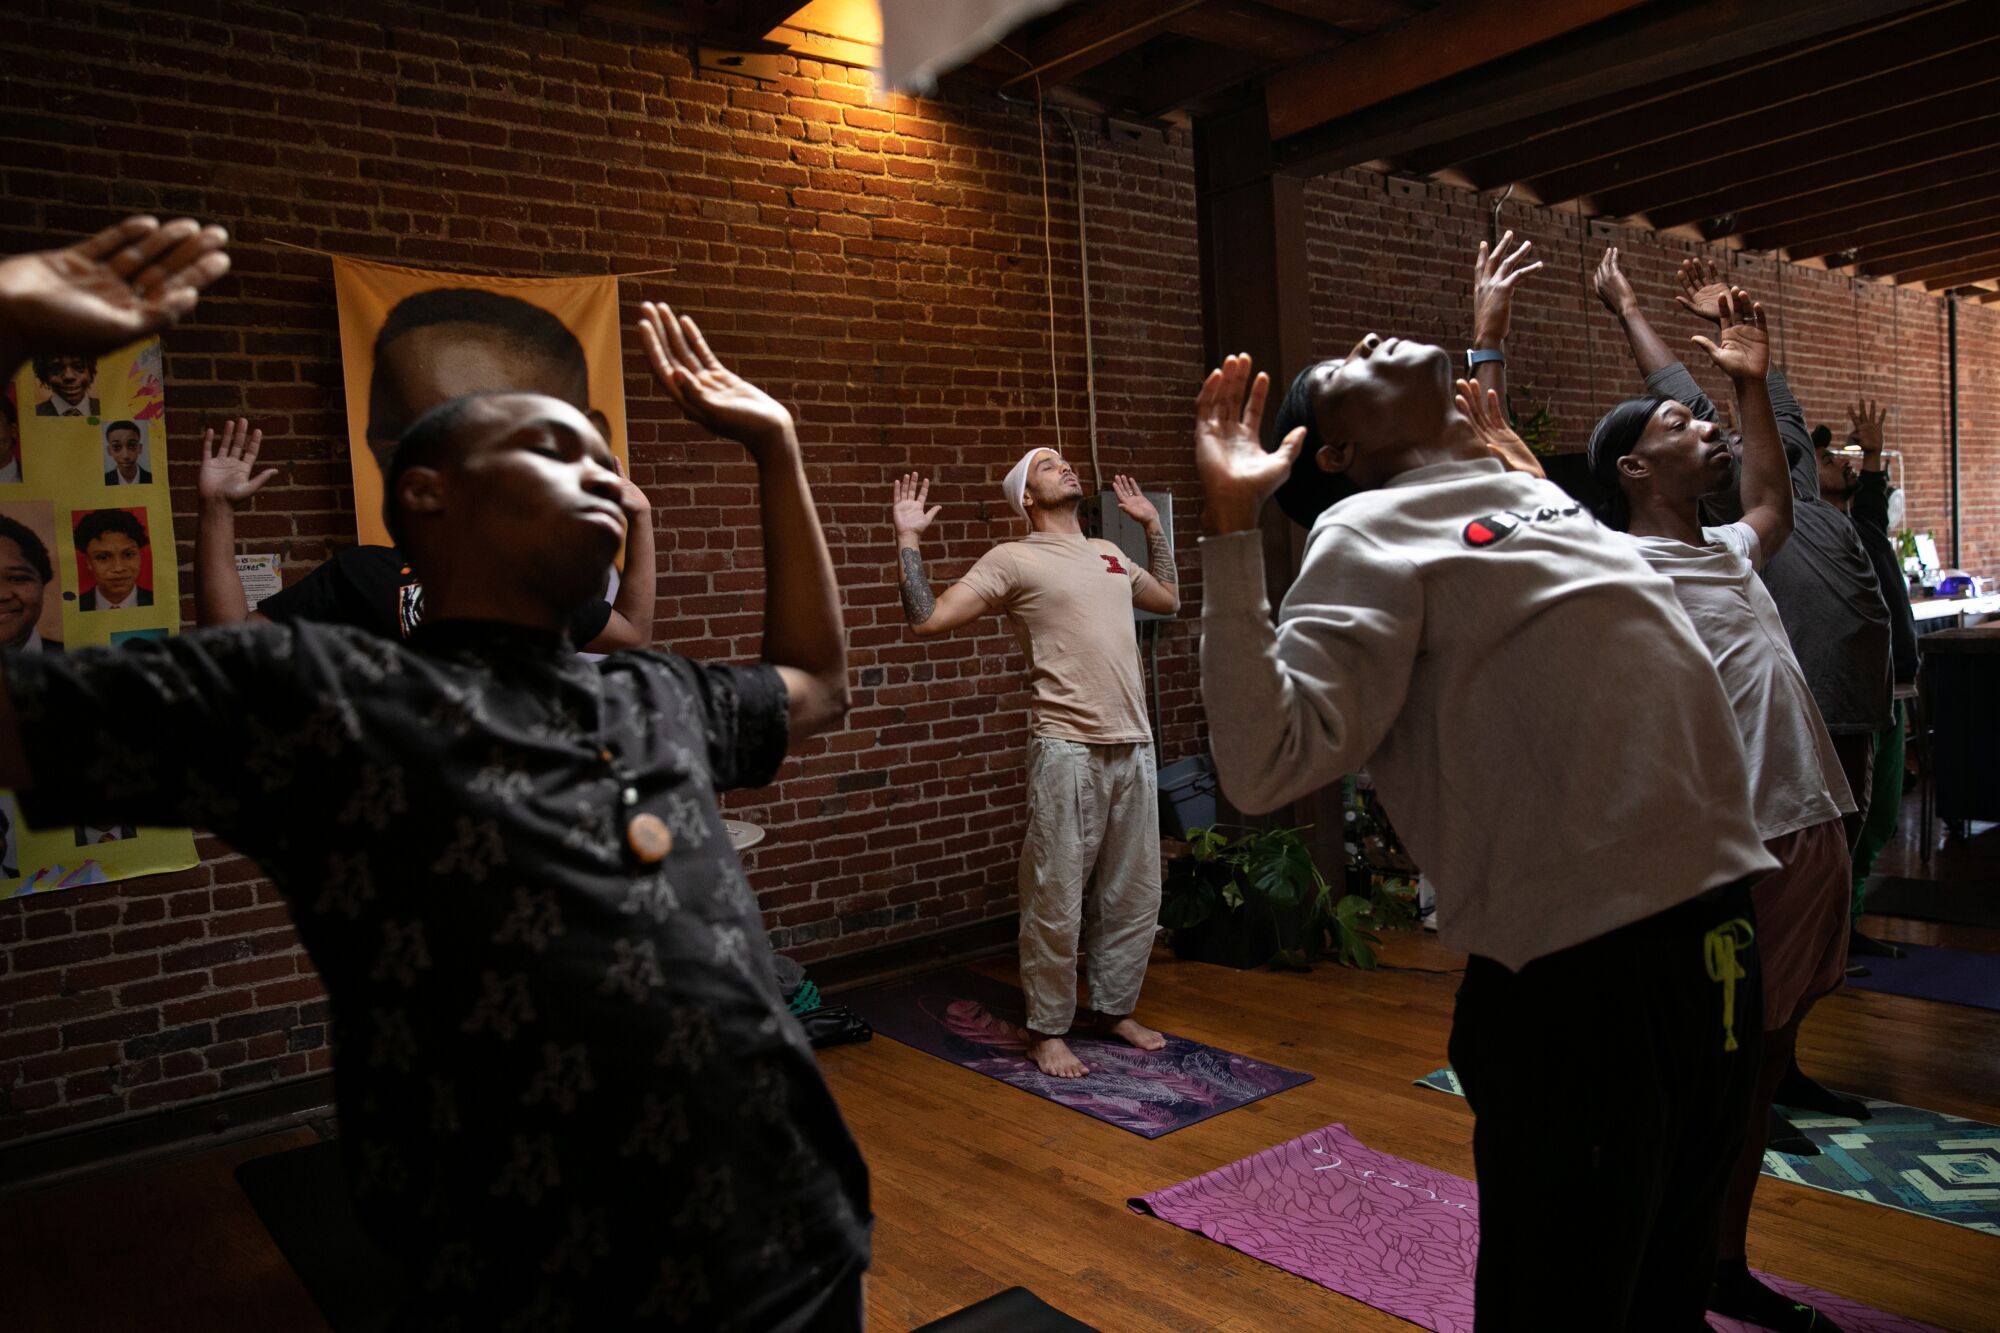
x=1111 y=563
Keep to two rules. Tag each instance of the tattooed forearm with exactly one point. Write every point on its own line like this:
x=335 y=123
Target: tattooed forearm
x=1160 y=556
x=918 y=600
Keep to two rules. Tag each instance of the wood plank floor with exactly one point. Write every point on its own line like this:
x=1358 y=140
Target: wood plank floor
x=980 y=1187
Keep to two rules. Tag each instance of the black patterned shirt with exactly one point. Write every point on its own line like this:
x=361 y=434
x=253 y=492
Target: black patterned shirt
x=570 y=1094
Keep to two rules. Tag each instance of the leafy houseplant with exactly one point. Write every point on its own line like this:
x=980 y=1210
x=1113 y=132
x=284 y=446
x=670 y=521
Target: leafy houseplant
x=1532 y=421
x=1257 y=898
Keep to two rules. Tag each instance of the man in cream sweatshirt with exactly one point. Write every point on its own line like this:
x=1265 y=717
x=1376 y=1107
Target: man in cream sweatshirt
x=1558 y=754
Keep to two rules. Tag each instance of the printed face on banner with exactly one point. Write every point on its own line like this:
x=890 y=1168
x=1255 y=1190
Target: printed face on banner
x=114 y=559
x=29 y=617
x=65 y=384
x=411 y=340
x=128 y=459
x=10 y=441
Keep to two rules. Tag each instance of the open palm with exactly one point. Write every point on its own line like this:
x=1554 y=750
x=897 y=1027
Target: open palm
x=125 y=282
x=709 y=392
x=1702 y=288
x=226 y=466
x=1229 y=451
x=1745 y=350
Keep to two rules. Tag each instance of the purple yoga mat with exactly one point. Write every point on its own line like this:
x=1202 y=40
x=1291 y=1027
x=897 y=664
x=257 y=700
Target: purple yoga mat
x=1396 y=1235
x=975 y=1022
x=1956 y=976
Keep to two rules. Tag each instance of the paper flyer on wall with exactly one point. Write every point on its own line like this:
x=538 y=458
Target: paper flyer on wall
x=83 y=508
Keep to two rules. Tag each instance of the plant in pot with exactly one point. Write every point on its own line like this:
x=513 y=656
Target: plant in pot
x=1256 y=898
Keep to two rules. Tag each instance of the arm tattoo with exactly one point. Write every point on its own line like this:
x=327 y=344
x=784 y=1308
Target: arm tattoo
x=918 y=600
x=1160 y=557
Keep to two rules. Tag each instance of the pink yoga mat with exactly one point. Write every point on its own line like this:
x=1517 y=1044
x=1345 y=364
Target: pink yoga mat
x=1394 y=1234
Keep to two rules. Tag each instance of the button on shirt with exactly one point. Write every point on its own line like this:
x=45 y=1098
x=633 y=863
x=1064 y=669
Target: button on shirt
x=567 y=1079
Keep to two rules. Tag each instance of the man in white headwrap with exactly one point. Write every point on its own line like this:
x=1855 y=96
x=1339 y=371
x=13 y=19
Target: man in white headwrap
x=1090 y=861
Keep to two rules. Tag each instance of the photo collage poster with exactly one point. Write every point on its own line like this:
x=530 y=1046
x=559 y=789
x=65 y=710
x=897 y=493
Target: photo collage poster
x=87 y=558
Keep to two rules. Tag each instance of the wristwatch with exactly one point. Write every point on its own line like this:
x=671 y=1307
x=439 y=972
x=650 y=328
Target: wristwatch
x=1475 y=357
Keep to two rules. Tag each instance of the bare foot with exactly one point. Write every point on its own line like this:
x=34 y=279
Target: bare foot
x=1053 y=1057
x=1134 y=1033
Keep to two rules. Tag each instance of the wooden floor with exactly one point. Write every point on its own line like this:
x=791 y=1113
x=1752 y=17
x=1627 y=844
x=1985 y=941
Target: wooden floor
x=980 y=1187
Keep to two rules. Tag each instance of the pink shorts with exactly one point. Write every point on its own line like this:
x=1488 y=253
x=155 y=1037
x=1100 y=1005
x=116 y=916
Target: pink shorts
x=1802 y=920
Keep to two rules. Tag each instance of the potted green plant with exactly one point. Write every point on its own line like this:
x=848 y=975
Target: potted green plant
x=1256 y=898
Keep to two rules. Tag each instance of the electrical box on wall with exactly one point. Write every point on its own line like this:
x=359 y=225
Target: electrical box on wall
x=1130 y=537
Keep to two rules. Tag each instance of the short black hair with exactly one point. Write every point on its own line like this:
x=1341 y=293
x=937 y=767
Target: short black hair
x=45 y=363
x=1822 y=436
x=431 y=441
x=102 y=522
x=1310 y=489
x=31 y=546
x=524 y=326
x=1617 y=434
x=132 y=426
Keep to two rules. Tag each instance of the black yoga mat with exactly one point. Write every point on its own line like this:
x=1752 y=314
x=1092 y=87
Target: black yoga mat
x=1953 y=902
x=301 y=1197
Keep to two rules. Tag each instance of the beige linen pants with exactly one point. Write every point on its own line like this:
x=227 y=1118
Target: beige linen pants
x=1090 y=869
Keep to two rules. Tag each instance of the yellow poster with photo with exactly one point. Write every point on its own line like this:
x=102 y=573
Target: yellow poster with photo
x=84 y=511
x=411 y=339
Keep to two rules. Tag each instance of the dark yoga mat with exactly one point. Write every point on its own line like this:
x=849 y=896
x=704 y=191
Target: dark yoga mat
x=1397 y=1235
x=1956 y=976
x=1952 y=902
x=301 y=1197
x=975 y=1022
x=1015 y=1310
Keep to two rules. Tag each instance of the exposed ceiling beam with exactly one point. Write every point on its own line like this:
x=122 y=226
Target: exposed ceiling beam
x=1809 y=129
x=1189 y=77
x=1848 y=176
x=1909 y=183
x=1874 y=218
x=1946 y=259
x=1623 y=136
x=750 y=19
x=1357 y=16
x=1966 y=268
x=1887 y=256
x=1095 y=33
x=1631 y=50
x=1237 y=25
x=1453 y=38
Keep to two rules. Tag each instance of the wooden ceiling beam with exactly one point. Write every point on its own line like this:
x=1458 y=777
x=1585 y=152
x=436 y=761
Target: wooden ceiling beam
x=1094 y=33
x=1943 y=259
x=1877 y=219
x=1647 y=45
x=1448 y=40
x=1189 y=78
x=1966 y=268
x=1900 y=232
x=1856 y=174
x=1888 y=256
x=1253 y=29
x=1695 y=186
x=1353 y=16
x=1822 y=201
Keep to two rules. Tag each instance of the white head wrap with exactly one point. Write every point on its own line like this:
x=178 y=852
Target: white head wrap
x=1016 y=483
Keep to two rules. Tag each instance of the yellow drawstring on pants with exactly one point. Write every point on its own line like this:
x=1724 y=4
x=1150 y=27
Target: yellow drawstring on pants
x=1721 y=945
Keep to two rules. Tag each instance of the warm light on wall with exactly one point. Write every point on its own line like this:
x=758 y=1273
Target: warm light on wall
x=847 y=32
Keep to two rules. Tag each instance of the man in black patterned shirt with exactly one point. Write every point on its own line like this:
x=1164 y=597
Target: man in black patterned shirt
x=570 y=1094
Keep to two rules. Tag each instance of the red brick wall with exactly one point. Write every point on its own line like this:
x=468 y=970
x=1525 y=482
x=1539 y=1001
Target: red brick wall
x=878 y=264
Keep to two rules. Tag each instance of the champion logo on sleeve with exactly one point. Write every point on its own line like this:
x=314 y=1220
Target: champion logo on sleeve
x=1495 y=528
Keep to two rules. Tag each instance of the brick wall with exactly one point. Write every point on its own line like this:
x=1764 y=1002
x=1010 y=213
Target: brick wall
x=878 y=263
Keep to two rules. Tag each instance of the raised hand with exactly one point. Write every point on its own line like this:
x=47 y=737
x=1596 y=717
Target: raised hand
x=1132 y=501
x=1494 y=274
x=1702 y=288
x=1613 y=287
x=1237 y=474
x=226 y=465
x=1482 y=408
x=1745 y=351
x=1867 y=418
x=908 y=512
x=630 y=498
x=127 y=281
x=709 y=392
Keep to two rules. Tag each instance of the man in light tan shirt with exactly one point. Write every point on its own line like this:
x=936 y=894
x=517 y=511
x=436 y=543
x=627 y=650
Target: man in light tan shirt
x=1093 y=811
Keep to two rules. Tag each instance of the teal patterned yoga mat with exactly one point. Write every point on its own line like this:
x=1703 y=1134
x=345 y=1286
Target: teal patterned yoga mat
x=1904 y=1157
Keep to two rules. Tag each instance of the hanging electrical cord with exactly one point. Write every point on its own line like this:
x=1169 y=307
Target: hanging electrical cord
x=1049 y=256
x=1583 y=293
x=1083 y=270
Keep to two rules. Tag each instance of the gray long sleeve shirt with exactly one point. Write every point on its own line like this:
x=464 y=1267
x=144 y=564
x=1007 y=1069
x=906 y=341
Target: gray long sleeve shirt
x=1545 y=728
x=1821 y=578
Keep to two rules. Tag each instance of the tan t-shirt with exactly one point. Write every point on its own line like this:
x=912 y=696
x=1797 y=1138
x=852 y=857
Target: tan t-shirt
x=1069 y=600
